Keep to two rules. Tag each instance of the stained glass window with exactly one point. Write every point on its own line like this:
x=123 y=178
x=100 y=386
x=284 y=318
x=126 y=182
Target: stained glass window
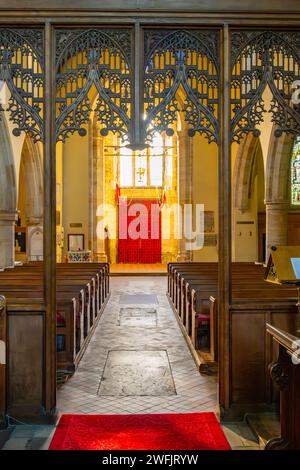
x=295 y=173
x=151 y=167
x=141 y=173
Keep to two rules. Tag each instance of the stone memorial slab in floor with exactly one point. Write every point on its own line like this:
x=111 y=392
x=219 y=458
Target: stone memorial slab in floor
x=138 y=299
x=137 y=373
x=136 y=316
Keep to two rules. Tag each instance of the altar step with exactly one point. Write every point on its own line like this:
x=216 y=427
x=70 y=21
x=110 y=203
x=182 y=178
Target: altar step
x=142 y=269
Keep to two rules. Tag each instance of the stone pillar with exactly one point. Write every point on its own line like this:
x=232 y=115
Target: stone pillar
x=98 y=194
x=276 y=224
x=7 y=239
x=35 y=221
x=185 y=186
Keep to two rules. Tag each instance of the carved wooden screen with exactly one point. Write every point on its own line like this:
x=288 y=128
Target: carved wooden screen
x=93 y=57
x=21 y=68
x=187 y=59
x=171 y=59
x=261 y=59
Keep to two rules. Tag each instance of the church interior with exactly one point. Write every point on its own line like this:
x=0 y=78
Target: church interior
x=150 y=226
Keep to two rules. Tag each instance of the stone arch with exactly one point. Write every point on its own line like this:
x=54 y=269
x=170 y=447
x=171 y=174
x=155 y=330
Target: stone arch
x=248 y=201
x=32 y=168
x=7 y=197
x=243 y=171
x=278 y=168
x=277 y=189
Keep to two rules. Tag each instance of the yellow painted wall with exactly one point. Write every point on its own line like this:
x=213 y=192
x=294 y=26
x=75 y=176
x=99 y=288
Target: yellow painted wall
x=205 y=188
x=245 y=235
x=59 y=202
x=75 y=197
x=21 y=202
x=169 y=246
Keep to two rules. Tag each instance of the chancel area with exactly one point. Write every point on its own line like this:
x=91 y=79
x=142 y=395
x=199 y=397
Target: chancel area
x=149 y=226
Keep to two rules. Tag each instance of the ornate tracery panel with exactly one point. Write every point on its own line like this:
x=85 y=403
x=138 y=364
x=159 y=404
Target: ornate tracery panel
x=181 y=59
x=21 y=68
x=260 y=59
x=93 y=57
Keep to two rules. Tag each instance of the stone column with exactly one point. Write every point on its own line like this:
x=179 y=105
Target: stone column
x=35 y=221
x=185 y=186
x=98 y=194
x=276 y=223
x=7 y=239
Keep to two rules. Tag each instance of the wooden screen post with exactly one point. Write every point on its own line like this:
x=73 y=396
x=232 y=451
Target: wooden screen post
x=224 y=266
x=50 y=224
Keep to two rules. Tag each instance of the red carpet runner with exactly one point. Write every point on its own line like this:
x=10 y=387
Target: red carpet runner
x=191 y=431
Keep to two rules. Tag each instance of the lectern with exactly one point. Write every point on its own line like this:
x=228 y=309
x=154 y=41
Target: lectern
x=284 y=268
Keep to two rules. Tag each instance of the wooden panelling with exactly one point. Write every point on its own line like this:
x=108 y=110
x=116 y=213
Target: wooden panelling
x=248 y=357
x=252 y=351
x=25 y=366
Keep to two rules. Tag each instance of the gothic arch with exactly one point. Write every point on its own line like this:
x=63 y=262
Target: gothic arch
x=7 y=197
x=278 y=167
x=7 y=170
x=260 y=59
x=93 y=66
x=243 y=171
x=32 y=167
x=171 y=61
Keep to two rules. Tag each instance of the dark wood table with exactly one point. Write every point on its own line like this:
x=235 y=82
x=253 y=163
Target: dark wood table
x=285 y=372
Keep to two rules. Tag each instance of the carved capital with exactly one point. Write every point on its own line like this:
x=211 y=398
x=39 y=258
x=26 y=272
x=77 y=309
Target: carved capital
x=279 y=375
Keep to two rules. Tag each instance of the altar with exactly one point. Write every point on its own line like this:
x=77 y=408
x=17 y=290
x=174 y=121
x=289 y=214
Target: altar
x=84 y=256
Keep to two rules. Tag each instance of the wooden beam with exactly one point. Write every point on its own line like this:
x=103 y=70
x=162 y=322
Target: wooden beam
x=138 y=84
x=155 y=5
x=49 y=224
x=224 y=266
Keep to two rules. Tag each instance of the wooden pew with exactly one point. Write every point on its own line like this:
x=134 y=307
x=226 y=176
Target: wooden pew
x=79 y=295
x=191 y=285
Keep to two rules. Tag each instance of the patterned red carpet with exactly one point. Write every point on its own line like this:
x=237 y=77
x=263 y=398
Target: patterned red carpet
x=191 y=431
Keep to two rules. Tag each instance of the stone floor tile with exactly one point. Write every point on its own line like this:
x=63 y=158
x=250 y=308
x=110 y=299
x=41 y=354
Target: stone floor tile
x=15 y=444
x=192 y=389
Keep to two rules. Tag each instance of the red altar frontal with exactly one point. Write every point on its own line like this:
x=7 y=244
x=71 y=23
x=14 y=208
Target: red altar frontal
x=139 y=231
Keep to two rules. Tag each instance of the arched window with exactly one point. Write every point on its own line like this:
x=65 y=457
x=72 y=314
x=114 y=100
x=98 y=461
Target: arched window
x=295 y=173
x=149 y=168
